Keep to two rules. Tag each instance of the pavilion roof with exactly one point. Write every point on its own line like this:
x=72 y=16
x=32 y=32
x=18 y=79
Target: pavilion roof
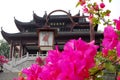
x=61 y=36
x=39 y=22
x=21 y=25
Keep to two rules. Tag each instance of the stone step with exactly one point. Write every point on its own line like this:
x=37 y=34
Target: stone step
x=8 y=75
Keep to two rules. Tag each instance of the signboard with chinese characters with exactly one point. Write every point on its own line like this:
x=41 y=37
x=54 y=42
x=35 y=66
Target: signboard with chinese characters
x=46 y=39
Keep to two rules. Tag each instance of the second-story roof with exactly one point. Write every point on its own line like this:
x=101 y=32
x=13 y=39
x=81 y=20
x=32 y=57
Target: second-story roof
x=54 y=21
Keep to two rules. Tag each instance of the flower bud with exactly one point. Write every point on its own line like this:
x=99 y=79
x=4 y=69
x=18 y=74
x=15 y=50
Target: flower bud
x=102 y=5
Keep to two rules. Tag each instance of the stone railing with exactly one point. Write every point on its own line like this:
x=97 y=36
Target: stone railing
x=24 y=61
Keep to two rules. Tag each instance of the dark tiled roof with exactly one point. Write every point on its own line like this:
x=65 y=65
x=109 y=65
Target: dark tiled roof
x=60 y=36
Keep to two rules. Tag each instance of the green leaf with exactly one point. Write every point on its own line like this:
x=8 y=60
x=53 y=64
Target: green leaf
x=110 y=1
x=110 y=67
x=99 y=79
x=95 y=20
x=89 y=5
x=118 y=32
x=112 y=54
x=77 y=4
x=101 y=0
x=108 y=11
x=99 y=58
x=93 y=70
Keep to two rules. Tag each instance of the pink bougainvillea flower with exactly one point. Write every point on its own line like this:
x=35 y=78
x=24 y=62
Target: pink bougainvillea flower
x=3 y=59
x=32 y=72
x=117 y=22
x=49 y=72
x=118 y=49
x=84 y=53
x=95 y=6
x=91 y=18
x=110 y=38
x=20 y=78
x=105 y=52
x=108 y=14
x=70 y=45
x=82 y=2
x=53 y=56
x=85 y=9
x=118 y=77
x=39 y=61
x=102 y=5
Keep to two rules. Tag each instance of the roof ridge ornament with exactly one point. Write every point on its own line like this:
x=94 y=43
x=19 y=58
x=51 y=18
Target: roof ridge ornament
x=79 y=12
x=45 y=15
x=14 y=18
x=33 y=12
x=83 y=14
x=69 y=12
x=1 y=28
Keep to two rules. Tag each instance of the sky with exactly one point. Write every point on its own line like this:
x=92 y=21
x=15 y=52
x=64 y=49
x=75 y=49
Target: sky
x=22 y=10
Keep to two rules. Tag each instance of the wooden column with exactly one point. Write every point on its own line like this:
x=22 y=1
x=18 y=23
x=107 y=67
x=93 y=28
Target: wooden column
x=11 y=50
x=21 y=50
x=92 y=32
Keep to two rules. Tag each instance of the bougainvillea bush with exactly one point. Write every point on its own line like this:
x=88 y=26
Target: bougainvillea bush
x=97 y=11
x=3 y=60
x=80 y=60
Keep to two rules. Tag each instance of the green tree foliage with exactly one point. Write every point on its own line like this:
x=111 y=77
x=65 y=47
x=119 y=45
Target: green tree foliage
x=4 y=48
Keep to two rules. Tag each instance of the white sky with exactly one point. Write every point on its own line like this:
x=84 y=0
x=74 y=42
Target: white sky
x=22 y=10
